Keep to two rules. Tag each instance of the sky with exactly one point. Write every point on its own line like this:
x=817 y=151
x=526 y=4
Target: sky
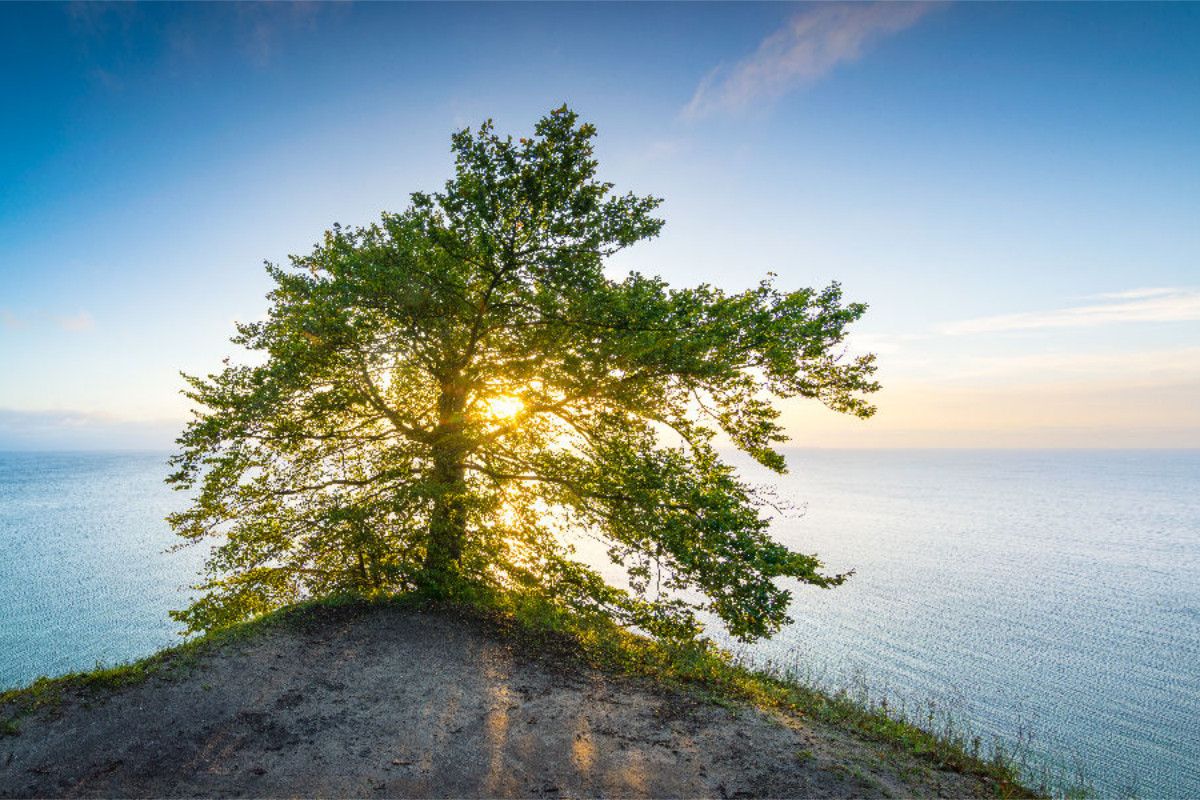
x=1014 y=189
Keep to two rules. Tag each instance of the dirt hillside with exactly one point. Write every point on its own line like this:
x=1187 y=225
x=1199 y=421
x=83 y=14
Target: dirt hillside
x=394 y=702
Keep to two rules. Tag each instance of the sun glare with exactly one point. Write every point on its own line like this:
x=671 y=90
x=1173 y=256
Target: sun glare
x=504 y=407
x=508 y=516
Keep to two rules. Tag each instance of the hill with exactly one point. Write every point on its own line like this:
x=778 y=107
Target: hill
x=402 y=700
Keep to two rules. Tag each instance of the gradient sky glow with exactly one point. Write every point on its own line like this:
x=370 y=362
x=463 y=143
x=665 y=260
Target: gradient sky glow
x=1013 y=188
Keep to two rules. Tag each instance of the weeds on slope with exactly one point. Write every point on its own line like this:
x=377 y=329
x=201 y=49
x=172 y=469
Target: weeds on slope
x=539 y=626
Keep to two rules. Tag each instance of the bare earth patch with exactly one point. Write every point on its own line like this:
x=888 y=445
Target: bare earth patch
x=394 y=702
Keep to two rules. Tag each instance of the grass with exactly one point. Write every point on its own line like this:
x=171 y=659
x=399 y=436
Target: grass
x=720 y=677
x=699 y=668
x=170 y=663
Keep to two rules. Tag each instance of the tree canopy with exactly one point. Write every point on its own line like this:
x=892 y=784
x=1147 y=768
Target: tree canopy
x=455 y=397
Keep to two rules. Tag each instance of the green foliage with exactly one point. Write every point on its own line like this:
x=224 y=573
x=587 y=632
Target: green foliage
x=450 y=400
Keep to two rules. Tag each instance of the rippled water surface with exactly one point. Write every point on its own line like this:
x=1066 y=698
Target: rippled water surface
x=1054 y=594
x=83 y=575
x=1051 y=593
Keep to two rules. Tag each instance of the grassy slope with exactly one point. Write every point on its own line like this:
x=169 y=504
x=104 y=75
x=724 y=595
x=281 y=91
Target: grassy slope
x=697 y=668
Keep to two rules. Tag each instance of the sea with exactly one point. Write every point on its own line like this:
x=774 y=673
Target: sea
x=1045 y=601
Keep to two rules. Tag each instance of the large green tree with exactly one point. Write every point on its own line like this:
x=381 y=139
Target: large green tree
x=452 y=399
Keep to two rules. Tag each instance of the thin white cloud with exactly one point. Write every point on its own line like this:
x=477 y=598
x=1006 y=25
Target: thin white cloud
x=80 y=322
x=97 y=20
x=1177 y=365
x=880 y=344
x=663 y=148
x=809 y=47
x=262 y=27
x=1112 y=413
x=1138 y=305
x=11 y=320
x=261 y=31
x=83 y=430
x=1133 y=294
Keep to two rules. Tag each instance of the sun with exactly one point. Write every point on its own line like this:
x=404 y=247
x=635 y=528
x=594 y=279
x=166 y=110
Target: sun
x=504 y=407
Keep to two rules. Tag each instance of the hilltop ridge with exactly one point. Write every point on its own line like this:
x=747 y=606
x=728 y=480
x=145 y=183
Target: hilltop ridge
x=395 y=700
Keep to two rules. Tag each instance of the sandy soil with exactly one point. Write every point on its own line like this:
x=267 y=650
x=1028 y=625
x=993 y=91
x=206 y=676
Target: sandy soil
x=400 y=703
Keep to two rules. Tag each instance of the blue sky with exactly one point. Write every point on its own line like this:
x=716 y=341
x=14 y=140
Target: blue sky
x=1013 y=188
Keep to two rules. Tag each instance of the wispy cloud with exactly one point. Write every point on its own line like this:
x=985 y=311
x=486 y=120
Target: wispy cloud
x=884 y=344
x=82 y=430
x=104 y=32
x=1137 y=305
x=80 y=322
x=94 y=20
x=260 y=26
x=1133 y=294
x=10 y=320
x=1175 y=365
x=809 y=47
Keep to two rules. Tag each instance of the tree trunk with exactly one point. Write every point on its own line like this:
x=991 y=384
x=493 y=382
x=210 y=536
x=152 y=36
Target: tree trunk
x=448 y=525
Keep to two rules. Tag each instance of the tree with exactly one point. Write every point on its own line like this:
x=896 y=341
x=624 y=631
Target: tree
x=448 y=399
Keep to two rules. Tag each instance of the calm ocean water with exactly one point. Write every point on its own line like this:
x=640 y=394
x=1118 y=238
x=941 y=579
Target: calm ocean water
x=83 y=575
x=1034 y=593
x=1051 y=594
